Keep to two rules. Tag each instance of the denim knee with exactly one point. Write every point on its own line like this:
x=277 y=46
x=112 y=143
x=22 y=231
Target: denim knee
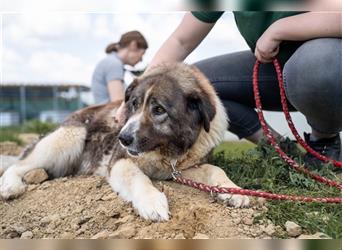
x=313 y=83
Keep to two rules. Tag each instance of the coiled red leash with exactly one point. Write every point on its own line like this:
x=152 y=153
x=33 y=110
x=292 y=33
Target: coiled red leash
x=290 y=123
x=269 y=134
x=214 y=189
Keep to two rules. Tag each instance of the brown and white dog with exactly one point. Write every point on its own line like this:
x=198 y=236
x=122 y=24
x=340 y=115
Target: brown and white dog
x=172 y=116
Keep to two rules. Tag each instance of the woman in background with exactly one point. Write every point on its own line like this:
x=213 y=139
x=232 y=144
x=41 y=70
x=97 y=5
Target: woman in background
x=107 y=83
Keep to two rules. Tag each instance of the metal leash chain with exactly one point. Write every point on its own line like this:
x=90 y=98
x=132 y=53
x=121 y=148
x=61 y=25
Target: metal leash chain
x=214 y=189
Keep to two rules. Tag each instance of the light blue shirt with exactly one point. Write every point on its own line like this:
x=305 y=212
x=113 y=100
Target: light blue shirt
x=108 y=69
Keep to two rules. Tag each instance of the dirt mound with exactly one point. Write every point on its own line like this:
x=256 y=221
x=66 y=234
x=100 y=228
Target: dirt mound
x=86 y=207
x=10 y=148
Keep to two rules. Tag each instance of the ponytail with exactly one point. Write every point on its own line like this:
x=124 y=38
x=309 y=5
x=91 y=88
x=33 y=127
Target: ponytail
x=126 y=40
x=112 y=47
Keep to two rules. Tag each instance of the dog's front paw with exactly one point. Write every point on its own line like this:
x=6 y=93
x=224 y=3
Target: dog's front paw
x=153 y=206
x=235 y=200
x=11 y=185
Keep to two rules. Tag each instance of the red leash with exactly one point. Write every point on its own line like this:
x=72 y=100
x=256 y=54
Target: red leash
x=281 y=153
x=290 y=123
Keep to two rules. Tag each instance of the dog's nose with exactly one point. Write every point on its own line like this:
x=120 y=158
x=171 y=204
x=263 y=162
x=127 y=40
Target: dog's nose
x=126 y=139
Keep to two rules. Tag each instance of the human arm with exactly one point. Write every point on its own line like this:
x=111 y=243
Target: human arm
x=187 y=36
x=300 y=27
x=116 y=90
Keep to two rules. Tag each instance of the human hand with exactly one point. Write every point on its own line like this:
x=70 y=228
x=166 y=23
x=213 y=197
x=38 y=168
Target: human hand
x=267 y=46
x=120 y=114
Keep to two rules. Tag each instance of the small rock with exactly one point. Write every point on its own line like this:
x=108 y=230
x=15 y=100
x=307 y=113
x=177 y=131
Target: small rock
x=26 y=235
x=81 y=221
x=114 y=214
x=19 y=229
x=269 y=230
x=50 y=218
x=237 y=221
x=64 y=179
x=180 y=236
x=75 y=226
x=124 y=220
x=247 y=221
x=256 y=233
x=67 y=235
x=36 y=176
x=109 y=197
x=200 y=236
x=12 y=234
x=261 y=202
x=314 y=236
x=124 y=232
x=101 y=235
x=32 y=187
x=293 y=229
x=98 y=197
x=99 y=183
x=45 y=185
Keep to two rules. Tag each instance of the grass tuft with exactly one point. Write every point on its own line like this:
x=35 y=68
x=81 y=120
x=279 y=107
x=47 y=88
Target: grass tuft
x=261 y=168
x=11 y=133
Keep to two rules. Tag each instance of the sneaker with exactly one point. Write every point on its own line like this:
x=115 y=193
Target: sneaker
x=329 y=147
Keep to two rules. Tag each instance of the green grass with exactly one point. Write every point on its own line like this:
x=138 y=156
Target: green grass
x=11 y=133
x=261 y=168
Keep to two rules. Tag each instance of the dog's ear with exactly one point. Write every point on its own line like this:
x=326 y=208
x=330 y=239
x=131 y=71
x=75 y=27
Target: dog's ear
x=200 y=102
x=130 y=89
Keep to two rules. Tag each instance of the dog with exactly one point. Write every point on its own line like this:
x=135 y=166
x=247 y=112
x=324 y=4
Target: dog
x=173 y=119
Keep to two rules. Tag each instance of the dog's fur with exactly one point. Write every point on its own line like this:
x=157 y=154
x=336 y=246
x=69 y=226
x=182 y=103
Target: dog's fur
x=172 y=115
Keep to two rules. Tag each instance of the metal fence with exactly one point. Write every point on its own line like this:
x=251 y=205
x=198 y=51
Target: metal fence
x=19 y=103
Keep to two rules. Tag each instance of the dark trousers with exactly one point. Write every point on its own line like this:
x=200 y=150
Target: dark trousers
x=313 y=83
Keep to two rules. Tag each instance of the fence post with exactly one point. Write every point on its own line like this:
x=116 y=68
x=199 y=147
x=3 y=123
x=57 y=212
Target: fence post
x=22 y=103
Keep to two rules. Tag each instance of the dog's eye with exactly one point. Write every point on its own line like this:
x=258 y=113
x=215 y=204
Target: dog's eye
x=158 y=110
x=135 y=104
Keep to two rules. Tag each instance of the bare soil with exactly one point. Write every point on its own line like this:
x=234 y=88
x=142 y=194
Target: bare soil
x=86 y=207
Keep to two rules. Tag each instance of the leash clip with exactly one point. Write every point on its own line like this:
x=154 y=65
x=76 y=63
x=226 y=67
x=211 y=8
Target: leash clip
x=175 y=173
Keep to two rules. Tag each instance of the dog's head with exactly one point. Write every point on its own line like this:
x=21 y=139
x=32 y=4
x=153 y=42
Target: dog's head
x=166 y=109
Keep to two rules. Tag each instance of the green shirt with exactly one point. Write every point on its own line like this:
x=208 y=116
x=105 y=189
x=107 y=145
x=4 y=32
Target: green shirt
x=252 y=24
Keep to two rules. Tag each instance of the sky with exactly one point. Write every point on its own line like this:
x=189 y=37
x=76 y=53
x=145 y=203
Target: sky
x=62 y=42
x=38 y=46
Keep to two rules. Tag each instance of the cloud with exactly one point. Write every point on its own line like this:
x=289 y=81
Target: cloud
x=47 y=26
x=52 y=66
x=90 y=6
x=11 y=64
x=84 y=36
x=10 y=56
x=101 y=27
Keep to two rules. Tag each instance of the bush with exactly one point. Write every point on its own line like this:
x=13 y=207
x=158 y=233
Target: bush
x=11 y=133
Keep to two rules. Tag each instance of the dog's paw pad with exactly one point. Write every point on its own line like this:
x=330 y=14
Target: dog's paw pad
x=11 y=186
x=235 y=200
x=153 y=206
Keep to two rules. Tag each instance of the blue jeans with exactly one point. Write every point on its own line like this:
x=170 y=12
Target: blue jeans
x=313 y=83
